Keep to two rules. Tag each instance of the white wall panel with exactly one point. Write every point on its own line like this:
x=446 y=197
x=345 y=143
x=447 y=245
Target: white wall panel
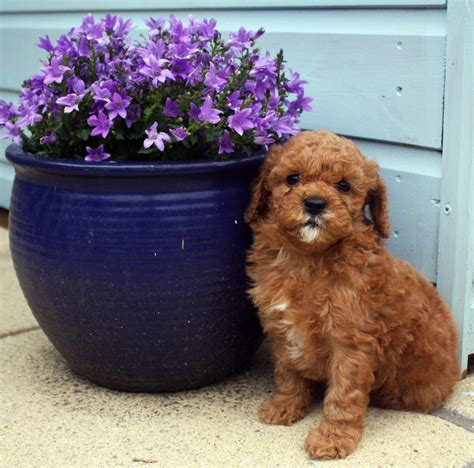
x=6 y=182
x=413 y=189
x=375 y=74
x=353 y=59
x=9 y=97
x=413 y=178
x=93 y=5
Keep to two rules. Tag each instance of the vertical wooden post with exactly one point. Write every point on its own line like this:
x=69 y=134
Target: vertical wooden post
x=456 y=229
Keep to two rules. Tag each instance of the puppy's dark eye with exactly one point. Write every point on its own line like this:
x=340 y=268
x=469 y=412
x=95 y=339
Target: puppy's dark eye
x=293 y=179
x=343 y=186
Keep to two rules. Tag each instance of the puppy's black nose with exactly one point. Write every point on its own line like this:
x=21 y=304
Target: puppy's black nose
x=314 y=205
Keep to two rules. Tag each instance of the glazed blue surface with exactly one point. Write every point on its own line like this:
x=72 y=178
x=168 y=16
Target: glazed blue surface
x=136 y=271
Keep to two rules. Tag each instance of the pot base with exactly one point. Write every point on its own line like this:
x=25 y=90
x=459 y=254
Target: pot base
x=123 y=384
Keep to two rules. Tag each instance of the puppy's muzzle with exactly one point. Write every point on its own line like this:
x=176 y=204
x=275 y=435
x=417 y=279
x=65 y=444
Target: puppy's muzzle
x=314 y=205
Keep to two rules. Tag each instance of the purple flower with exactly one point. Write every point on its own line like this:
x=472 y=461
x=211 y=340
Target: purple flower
x=83 y=48
x=171 y=109
x=179 y=133
x=45 y=43
x=284 y=126
x=153 y=69
x=28 y=114
x=213 y=80
x=118 y=106
x=300 y=103
x=178 y=31
x=225 y=143
x=71 y=101
x=183 y=50
x=215 y=93
x=208 y=113
x=195 y=76
x=133 y=114
x=13 y=132
x=182 y=67
x=101 y=93
x=263 y=138
x=7 y=111
x=55 y=72
x=193 y=111
x=274 y=98
x=240 y=120
x=153 y=65
x=64 y=47
x=96 y=33
x=96 y=155
x=102 y=124
x=206 y=28
x=124 y=27
x=295 y=85
x=234 y=101
x=48 y=139
x=155 y=138
x=264 y=66
x=243 y=39
x=78 y=86
x=110 y=22
x=154 y=26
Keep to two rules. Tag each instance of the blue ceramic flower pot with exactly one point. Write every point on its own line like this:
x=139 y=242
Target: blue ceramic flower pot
x=136 y=271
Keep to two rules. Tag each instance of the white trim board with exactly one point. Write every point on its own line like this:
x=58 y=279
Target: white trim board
x=456 y=237
x=114 y=5
x=404 y=22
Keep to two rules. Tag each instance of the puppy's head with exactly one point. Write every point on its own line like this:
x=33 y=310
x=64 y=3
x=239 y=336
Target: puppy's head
x=313 y=191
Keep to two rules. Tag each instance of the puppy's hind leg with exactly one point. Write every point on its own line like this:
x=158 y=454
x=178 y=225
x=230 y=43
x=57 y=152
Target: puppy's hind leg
x=291 y=400
x=429 y=370
x=421 y=388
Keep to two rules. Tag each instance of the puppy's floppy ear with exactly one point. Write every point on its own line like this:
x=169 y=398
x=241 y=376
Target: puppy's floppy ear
x=378 y=202
x=260 y=192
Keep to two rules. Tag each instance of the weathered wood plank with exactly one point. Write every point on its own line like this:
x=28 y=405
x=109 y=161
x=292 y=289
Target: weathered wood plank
x=373 y=74
x=91 y=5
x=413 y=178
x=456 y=229
x=413 y=181
x=9 y=97
x=6 y=182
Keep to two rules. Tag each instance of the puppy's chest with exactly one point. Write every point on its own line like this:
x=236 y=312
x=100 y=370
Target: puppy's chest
x=297 y=335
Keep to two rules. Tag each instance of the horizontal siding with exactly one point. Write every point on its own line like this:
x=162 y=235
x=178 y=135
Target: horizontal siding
x=9 y=97
x=6 y=182
x=91 y=5
x=413 y=179
x=413 y=193
x=373 y=74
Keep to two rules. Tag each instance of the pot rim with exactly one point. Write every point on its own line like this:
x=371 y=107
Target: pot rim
x=22 y=159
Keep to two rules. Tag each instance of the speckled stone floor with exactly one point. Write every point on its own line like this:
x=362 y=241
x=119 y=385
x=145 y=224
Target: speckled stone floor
x=51 y=418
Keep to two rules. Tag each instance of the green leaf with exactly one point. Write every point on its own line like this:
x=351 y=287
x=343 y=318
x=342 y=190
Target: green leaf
x=84 y=134
x=146 y=150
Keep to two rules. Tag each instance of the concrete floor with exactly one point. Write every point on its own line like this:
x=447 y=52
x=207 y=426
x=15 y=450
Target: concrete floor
x=51 y=418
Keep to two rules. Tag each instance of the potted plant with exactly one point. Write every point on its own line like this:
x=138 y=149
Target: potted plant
x=133 y=163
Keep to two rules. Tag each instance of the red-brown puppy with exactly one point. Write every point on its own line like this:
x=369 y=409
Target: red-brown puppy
x=336 y=307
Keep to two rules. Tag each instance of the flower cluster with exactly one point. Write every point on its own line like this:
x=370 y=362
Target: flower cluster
x=181 y=92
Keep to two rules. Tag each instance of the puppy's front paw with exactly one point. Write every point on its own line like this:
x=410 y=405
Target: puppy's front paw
x=331 y=441
x=282 y=409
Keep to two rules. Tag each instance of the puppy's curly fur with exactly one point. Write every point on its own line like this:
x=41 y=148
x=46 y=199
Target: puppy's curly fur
x=336 y=307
